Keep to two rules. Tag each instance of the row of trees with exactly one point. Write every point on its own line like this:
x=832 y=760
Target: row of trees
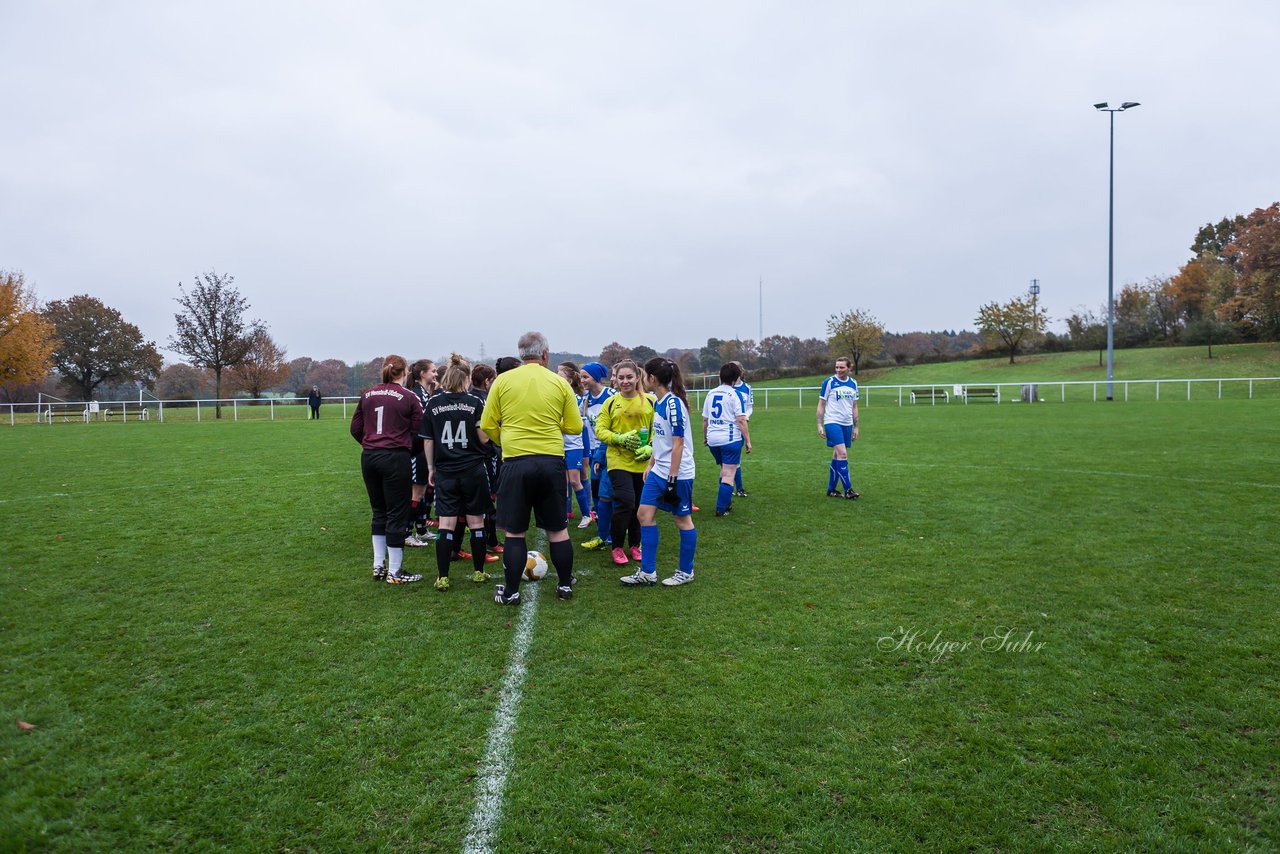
x=1228 y=291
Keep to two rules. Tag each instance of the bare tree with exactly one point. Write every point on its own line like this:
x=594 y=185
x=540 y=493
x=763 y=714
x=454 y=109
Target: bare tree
x=212 y=332
x=263 y=366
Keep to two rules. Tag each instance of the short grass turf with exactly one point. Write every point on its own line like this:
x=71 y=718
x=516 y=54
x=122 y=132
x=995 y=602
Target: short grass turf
x=1041 y=627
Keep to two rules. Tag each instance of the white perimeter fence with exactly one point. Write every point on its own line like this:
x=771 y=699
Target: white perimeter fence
x=52 y=411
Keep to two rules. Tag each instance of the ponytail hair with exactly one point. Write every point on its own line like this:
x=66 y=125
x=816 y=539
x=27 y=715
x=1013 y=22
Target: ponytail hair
x=575 y=381
x=457 y=374
x=392 y=367
x=667 y=373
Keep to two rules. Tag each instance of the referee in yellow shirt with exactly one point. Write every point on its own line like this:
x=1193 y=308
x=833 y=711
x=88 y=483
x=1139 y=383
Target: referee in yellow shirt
x=528 y=411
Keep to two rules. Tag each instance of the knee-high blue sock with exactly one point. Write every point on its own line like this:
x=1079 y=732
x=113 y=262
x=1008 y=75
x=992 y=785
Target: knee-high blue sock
x=688 y=545
x=842 y=466
x=584 y=501
x=724 y=497
x=832 y=476
x=737 y=479
x=604 y=519
x=649 y=548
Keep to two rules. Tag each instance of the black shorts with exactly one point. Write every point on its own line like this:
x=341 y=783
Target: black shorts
x=533 y=483
x=419 y=468
x=463 y=494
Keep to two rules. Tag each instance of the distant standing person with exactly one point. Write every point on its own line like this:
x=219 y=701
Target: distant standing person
x=387 y=418
x=838 y=424
x=314 y=400
x=528 y=413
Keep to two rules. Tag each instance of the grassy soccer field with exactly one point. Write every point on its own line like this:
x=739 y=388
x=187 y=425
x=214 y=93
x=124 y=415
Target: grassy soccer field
x=1041 y=627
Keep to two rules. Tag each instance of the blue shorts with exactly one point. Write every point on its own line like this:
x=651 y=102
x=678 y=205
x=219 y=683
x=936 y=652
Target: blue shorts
x=606 y=486
x=838 y=434
x=727 y=455
x=573 y=459
x=654 y=486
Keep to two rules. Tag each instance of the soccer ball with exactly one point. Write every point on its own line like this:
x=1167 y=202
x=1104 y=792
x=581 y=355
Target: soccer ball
x=535 y=567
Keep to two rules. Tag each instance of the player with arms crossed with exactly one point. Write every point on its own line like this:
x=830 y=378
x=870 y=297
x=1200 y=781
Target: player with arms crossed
x=724 y=431
x=838 y=424
x=456 y=458
x=668 y=480
x=385 y=421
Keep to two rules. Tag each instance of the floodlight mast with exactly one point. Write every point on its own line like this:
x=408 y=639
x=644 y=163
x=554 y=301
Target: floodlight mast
x=1111 y=242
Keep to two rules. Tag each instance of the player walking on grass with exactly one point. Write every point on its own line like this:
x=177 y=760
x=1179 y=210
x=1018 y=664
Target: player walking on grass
x=748 y=401
x=838 y=424
x=386 y=419
x=529 y=410
x=668 y=481
x=724 y=431
x=619 y=425
x=596 y=393
x=454 y=447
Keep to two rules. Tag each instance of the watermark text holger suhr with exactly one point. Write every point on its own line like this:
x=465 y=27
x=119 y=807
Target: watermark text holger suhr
x=919 y=641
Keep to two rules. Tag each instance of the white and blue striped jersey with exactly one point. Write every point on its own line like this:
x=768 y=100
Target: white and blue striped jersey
x=840 y=396
x=573 y=441
x=671 y=419
x=591 y=406
x=721 y=410
x=746 y=397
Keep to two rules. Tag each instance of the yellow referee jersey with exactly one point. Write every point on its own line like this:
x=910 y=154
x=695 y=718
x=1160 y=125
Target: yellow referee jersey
x=528 y=411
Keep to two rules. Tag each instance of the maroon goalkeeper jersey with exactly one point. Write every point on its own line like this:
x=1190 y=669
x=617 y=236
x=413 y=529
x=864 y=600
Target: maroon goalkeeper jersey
x=387 y=417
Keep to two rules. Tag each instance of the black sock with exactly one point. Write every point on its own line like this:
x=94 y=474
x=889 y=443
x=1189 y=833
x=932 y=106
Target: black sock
x=477 y=549
x=491 y=530
x=444 y=552
x=513 y=561
x=562 y=558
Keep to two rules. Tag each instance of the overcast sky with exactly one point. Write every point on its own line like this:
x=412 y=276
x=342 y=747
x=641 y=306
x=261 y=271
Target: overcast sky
x=424 y=177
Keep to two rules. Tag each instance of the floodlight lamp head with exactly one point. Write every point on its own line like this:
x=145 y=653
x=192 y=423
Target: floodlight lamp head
x=1128 y=104
x=1101 y=106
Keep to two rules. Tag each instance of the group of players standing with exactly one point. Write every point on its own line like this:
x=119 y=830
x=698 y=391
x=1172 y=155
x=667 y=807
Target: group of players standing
x=531 y=440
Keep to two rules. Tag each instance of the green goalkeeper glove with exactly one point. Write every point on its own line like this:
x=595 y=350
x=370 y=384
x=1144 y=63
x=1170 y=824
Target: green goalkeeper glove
x=629 y=440
x=643 y=453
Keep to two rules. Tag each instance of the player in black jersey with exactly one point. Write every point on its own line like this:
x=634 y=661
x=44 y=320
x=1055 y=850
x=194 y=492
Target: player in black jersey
x=454 y=448
x=422 y=377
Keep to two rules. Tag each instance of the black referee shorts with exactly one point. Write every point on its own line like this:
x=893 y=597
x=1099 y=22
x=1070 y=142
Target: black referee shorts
x=533 y=483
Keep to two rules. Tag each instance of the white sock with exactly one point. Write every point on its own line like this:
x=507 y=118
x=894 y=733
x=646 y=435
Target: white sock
x=397 y=558
x=379 y=550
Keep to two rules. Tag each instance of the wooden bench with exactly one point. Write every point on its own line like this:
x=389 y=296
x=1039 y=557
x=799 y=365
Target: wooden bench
x=992 y=393
x=66 y=414
x=931 y=393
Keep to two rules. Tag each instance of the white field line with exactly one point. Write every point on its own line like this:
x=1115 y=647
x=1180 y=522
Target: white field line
x=491 y=782
x=1045 y=470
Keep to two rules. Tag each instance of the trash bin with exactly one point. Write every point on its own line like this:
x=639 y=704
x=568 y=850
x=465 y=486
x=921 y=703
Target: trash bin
x=1031 y=393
